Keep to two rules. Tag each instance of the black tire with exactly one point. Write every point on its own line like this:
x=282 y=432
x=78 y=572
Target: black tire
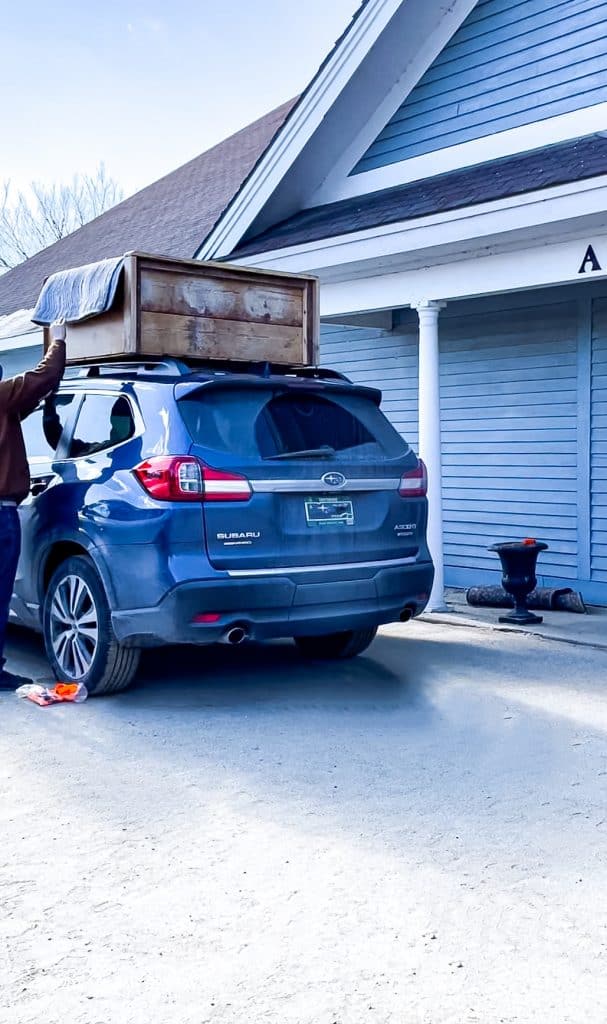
x=336 y=645
x=75 y=599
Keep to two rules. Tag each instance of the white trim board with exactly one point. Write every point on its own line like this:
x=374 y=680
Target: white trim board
x=298 y=129
x=336 y=185
x=33 y=339
x=528 y=137
x=534 y=267
x=381 y=57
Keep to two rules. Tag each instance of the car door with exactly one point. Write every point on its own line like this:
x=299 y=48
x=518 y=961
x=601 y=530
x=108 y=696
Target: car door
x=45 y=433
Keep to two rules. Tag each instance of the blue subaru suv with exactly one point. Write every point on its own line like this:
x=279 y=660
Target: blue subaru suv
x=175 y=504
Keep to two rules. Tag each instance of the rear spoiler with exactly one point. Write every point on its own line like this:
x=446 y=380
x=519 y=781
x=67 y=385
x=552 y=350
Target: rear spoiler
x=283 y=383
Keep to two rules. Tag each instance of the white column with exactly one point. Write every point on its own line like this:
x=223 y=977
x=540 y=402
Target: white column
x=430 y=439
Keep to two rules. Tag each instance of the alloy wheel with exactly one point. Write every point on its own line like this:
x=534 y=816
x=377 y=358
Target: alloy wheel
x=74 y=627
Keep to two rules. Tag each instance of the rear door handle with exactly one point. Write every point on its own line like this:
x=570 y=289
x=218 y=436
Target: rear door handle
x=39 y=485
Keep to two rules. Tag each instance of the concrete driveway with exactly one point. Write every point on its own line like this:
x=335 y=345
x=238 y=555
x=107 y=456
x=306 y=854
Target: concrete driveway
x=416 y=836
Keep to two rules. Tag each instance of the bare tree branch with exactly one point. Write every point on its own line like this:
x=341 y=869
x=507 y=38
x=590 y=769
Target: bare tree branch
x=31 y=222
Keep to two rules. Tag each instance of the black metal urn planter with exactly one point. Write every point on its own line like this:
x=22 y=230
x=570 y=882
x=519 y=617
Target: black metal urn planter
x=519 y=559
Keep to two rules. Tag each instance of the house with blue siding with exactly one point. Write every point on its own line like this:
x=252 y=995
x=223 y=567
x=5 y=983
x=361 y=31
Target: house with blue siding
x=451 y=193
x=445 y=176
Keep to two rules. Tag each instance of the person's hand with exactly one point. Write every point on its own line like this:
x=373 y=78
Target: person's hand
x=57 y=330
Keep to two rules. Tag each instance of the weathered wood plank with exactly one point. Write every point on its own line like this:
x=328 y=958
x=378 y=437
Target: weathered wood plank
x=205 y=338
x=229 y=299
x=100 y=337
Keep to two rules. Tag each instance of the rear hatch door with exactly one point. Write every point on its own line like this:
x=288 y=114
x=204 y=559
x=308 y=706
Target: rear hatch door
x=301 y=474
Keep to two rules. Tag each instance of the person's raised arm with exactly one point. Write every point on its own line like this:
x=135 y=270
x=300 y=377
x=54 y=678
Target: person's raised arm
x=21 y=393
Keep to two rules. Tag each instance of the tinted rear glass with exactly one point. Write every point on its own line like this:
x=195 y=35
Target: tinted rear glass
x=267 y=424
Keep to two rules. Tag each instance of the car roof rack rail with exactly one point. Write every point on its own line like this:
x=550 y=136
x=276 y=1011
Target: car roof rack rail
x=265 y=369
x=136 y=367
x=168 y=366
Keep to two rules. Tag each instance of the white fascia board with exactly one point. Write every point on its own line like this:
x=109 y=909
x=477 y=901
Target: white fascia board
x=298 y=129
x=538 y=210
x=534 y=267
x=32 y=339
x=553 y=130
x=337 y=184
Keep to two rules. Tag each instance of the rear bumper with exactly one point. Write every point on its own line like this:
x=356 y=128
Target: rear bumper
x=279 y=605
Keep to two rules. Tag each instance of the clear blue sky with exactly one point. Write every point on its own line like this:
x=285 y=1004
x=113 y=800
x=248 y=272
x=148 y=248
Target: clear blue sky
x=145 y=86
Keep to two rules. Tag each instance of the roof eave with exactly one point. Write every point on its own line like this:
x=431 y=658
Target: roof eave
x=532 y=215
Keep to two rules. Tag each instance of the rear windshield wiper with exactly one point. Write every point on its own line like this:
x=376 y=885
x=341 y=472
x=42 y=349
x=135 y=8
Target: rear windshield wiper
x=326 y=452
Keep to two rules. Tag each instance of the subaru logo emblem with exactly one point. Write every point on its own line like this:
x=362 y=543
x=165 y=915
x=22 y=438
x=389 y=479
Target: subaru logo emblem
x=334 y=479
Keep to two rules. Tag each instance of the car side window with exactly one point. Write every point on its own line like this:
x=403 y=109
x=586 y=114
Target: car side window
x=103 y=422
x=43 y=428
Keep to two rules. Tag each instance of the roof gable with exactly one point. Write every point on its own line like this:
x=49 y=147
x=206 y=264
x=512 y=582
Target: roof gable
x=511 y=63
x=427 y=87
x=365 y=70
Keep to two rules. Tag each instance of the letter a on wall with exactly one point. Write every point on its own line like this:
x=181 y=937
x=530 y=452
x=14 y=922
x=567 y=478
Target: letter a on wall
x=589 y=258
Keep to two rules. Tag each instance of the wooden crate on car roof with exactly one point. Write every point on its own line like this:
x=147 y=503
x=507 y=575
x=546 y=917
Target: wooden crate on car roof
x=202 y=311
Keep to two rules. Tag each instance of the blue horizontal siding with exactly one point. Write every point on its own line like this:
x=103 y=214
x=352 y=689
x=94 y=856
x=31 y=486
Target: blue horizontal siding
x=598 y=444
x=382 y=359
x=509 y=423
x=461 y=576
x=511 y=63
x=509 y=435
x=515 y=430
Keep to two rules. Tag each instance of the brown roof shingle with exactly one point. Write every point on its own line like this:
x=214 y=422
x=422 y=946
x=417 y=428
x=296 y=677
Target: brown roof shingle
x=172 y=216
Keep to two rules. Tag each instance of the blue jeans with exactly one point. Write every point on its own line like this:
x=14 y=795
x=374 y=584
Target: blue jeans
x=10 y=547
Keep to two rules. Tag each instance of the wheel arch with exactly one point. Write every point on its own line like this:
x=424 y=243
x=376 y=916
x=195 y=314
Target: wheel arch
x=59 y=551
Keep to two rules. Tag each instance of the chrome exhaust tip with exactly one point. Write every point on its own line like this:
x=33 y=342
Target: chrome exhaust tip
x=234 y=636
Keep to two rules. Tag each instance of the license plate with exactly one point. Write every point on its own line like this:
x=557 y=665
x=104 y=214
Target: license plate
x=329 y=512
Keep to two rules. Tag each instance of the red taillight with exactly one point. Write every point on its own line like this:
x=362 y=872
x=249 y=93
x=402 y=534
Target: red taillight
x=185 y=478
x=222 y=486
x=414 y=483
x=171 y=478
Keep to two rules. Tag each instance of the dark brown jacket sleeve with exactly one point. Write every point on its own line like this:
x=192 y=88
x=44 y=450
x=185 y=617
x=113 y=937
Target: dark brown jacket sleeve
x=20 y=394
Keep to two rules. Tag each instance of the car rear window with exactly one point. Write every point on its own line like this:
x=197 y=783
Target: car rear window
x=259 y=423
